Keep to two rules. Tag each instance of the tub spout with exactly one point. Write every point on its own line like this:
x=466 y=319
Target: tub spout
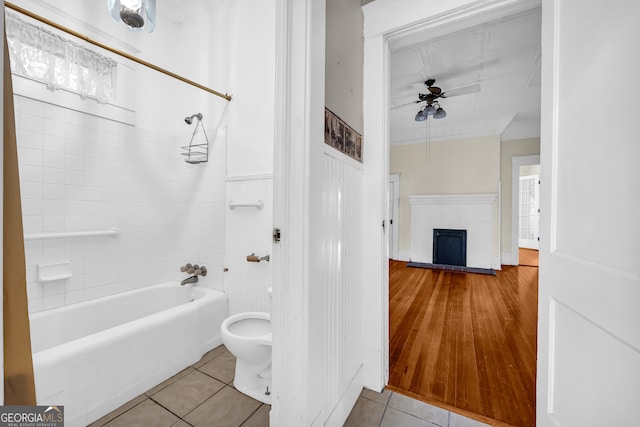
x=192 y=279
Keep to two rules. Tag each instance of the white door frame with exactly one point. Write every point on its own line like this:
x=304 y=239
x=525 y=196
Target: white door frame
x=299 y=107
x=516 y=162
x=385 y=20
x=394 y=179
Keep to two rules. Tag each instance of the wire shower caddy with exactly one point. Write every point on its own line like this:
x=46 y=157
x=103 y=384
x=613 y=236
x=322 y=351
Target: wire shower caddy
x=197 y=153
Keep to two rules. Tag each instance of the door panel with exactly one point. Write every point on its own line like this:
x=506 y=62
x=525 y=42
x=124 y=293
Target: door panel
x=589 y=344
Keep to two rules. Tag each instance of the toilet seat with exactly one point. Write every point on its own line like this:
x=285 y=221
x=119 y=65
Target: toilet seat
x=251 y=326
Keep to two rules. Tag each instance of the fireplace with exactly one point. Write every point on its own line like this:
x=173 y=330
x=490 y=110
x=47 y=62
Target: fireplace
x=450 y=247
x=475 y=213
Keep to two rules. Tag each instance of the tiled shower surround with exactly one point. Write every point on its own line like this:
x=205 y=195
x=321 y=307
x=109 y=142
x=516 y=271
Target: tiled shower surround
x=80 y=172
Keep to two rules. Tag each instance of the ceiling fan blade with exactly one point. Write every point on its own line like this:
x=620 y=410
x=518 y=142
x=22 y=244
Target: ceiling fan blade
x=465 y=90
x=405 y=104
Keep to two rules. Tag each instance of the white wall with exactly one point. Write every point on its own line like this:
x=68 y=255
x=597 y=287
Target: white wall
x=251 y=75
x=250 y=27
x=467 y=166
x=343 y=62
x=248 y=230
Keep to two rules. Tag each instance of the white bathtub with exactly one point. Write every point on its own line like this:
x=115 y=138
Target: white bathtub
x=94 y=356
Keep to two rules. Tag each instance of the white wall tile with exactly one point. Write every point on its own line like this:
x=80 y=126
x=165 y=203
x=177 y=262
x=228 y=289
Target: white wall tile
x=53 y=288
x=31 y=190
x=30 y=106
x=30 y=173
x=81 y=172
x=53 y=175
x=31 y=121
x=29 y=156
x=32 y=207
x=72 y=297
x=30 y=139
x=53 y=224
x=32 y=224
x=35 y=305
x=52 y=301
x=73 y=162
x=53 y=159
x=53 y=143
x=53 y=127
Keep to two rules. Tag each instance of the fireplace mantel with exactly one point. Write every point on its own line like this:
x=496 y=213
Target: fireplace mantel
x=475 y=213
x=451 y=199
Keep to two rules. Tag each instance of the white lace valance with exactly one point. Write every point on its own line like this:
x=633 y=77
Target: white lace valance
x=39 y=54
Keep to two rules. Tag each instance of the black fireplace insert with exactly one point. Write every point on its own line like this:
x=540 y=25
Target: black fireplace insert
x=450 y=247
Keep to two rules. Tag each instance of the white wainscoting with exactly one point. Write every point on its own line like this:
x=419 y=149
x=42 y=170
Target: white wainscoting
x=247 y=231
x=341 y=282
x=471 y=212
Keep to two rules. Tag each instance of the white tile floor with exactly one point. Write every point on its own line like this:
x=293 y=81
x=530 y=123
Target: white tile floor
x=203 y=395
x=390 y=409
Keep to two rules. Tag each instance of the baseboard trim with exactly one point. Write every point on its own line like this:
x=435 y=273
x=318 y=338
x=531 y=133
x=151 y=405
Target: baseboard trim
x=404 y=256
x=344 y=406
x=507 y=259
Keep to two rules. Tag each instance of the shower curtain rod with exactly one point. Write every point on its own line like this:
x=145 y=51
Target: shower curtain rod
x=113 y=50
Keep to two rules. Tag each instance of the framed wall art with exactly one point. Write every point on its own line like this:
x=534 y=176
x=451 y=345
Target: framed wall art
x=341 y=136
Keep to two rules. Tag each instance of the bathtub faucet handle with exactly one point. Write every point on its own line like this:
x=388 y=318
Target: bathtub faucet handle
x=185 y=268
x=202 y=271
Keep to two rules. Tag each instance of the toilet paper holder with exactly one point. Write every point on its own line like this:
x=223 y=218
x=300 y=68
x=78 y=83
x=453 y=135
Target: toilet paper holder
x=254 y=258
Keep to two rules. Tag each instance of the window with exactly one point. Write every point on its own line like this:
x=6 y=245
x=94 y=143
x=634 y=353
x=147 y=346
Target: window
x=59 y=63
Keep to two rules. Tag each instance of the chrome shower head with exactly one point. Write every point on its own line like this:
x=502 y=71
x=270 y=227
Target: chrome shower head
x=189 y=120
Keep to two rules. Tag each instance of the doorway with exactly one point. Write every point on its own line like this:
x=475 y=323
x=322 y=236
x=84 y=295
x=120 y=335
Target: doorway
x=525 y=209
x=529 y=207
x=439 y=322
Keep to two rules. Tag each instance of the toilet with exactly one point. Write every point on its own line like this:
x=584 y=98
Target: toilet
x=248 y=337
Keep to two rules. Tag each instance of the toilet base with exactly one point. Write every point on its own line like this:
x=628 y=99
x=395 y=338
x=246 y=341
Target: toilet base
x=254 y=380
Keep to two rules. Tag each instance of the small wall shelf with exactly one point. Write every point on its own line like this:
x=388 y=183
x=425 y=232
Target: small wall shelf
x=51 y=272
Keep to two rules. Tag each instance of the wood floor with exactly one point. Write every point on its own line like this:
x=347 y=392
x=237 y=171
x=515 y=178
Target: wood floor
x=466 y=342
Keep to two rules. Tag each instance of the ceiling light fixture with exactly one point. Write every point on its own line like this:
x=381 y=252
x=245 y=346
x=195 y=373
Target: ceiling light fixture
x=134 y=13
x=432 y=108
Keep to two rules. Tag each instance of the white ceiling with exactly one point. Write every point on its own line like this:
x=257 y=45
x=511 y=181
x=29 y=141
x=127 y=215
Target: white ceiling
x=501 y=56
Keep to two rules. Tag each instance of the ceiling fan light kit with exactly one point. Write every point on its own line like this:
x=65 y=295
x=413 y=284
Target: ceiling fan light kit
x=432 y=108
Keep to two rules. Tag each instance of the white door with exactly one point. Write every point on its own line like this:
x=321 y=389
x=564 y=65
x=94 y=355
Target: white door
x=589 y=294
x=529 y=202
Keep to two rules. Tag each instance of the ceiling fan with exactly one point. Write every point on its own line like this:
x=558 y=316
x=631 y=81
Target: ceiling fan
x=432 y=106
